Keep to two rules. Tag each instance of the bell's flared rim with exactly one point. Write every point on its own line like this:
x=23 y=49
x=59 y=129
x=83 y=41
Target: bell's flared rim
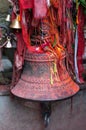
x=29 y=91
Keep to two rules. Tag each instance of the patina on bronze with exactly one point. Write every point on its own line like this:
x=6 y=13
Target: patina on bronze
x=44 y=79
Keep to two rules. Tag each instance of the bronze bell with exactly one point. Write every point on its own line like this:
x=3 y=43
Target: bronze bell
x=8 y=18
x=16 y=23
x=44 y=79
x=8 y=43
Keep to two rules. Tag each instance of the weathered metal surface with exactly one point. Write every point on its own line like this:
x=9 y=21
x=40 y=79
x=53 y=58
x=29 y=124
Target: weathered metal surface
x=39 y=81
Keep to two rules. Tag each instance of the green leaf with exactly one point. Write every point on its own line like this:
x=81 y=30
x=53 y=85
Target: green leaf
x=83 y=3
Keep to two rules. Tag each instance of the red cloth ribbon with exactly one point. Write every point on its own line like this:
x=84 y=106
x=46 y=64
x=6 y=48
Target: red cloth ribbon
x=26 y=4
x=81 y=41
x=40 y=8
x=23 y=21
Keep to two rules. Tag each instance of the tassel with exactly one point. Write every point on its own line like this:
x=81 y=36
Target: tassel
x=51 y=77
x=55 y=67
x=56 y=74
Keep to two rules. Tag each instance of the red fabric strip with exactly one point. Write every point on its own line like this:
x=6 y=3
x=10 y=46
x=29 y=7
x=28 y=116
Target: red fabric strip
x=81 y=41
x=40 y=8
x=26 y=4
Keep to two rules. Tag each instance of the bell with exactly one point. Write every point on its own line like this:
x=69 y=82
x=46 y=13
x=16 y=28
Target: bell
x=8 y=44
x=44 y=79
x=16 y=23
x=8 y=18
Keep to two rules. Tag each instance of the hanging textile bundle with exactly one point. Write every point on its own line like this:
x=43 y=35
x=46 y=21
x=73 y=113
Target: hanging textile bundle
x=25 y=34
x=24 y=16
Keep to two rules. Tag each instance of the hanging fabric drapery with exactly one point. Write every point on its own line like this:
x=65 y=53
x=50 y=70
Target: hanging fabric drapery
x=34 y=7
x=81 y=42
x=80 y=13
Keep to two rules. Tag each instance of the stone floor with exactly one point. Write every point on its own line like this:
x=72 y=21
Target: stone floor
x=69 y=114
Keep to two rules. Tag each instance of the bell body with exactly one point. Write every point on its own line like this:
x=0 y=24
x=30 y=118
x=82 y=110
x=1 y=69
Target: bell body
x=44 y=79
x=8 y=45
x=8 y=18
x=16 y=23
